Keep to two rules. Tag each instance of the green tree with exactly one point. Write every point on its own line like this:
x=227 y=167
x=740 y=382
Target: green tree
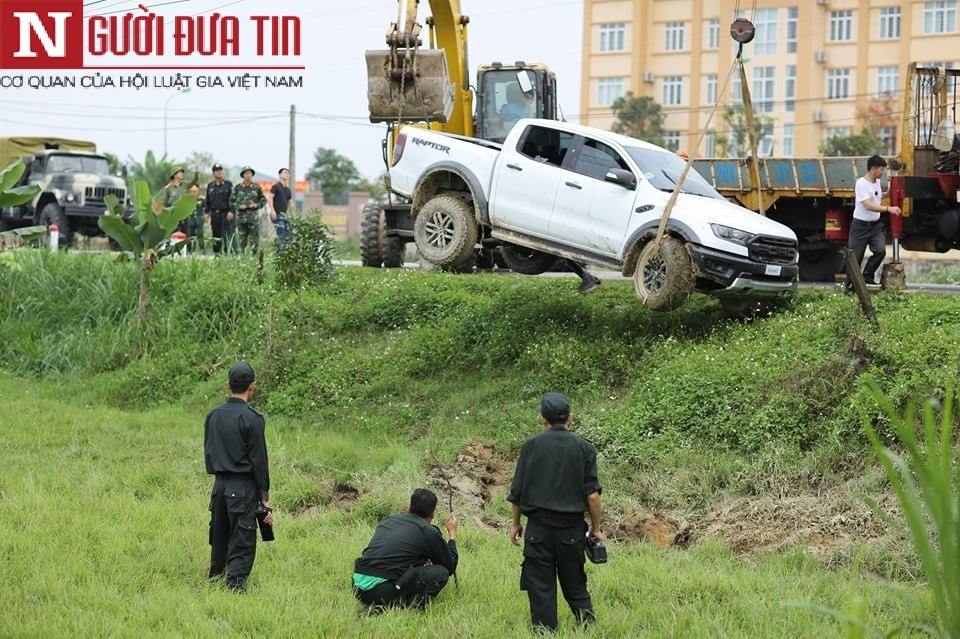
x=639 y=117
x=863 y=143
x=376 y=188
x=198 y=167
x=147 y=233
x=114 y=165
x=336 y=174
x=155 y=172
x=732 y=139
x=11 y=195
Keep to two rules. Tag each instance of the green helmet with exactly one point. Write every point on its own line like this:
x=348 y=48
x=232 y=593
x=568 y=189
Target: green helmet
x=245 y=169
x=176 y=169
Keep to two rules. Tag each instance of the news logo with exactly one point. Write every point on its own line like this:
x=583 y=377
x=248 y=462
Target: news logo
x=41 y=34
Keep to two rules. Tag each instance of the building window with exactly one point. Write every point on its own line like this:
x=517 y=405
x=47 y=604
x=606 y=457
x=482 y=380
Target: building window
x=838 y=84
x=837 y=131
x=671 y=140
x=672 y=90
x=790 y=89
x=713 y=33
x=709 y=145
x=940 y=16
x=608 y=90
x=788 y=138
x=841 y=26
x=763 y=88
x=887 y=80
x=712 y=88
x=765 y=41
x=612 y=36
x=792 y=22
x=674 y=33
x=889 y=23
x=765 y=146
x=888 y=135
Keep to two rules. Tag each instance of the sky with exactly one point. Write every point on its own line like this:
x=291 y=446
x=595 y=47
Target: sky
x=251 y=126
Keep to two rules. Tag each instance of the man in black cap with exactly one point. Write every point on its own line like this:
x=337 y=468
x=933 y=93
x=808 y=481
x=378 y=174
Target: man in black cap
x=554 y=483
x=217 y=205
x=235 y=450
x=406 y=562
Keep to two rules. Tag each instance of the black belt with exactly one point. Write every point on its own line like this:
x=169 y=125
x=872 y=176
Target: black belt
x=233 y=476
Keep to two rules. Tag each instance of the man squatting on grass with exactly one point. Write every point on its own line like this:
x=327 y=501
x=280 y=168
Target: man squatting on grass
x=406 y=562
x=235 y=450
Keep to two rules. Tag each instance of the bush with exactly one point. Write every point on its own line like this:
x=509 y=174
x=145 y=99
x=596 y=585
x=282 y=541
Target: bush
x=306 y=258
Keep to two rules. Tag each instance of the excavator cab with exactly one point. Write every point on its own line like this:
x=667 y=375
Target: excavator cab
x=507 y=93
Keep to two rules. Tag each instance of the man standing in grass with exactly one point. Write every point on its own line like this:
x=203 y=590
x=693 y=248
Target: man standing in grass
x=235 y=450
x=406 y=562
x=554 y=483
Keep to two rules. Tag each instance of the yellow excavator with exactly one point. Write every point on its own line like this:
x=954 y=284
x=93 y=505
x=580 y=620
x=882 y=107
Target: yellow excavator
x=409 y=83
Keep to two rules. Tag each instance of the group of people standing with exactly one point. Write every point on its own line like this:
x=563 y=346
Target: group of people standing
x=232 y=209
x=407 y=562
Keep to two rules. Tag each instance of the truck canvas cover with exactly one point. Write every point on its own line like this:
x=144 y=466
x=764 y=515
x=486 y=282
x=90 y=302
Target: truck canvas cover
x=13 y=148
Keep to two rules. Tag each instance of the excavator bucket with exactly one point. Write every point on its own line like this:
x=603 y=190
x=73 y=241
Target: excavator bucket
x=418 y=90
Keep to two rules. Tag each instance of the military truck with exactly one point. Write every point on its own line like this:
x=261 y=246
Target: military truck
x=73 y=179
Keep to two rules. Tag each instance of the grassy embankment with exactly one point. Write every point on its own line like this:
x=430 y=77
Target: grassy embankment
x=385 y=372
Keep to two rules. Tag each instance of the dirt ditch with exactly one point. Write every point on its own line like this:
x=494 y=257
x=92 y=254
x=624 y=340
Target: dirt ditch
x=475 y=476
x=334 y=494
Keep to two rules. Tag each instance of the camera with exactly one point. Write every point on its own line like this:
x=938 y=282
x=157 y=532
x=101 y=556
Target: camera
x=596 y=551
x=266 y=530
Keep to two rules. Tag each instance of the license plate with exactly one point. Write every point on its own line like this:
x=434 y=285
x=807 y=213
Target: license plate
x=772 y=270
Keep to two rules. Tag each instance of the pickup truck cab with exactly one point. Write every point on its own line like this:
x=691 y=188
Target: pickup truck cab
x=557 y=190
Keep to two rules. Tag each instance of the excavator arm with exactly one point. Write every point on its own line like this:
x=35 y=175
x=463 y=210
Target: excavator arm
x=409 y=83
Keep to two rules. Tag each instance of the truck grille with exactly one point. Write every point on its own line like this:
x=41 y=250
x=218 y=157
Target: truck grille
x=95 y=195
x=773 y=250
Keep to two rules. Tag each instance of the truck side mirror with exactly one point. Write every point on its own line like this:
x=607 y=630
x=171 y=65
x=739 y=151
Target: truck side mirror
x=624 y=178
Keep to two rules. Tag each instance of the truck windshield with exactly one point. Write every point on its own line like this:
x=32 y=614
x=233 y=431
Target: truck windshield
x=663 y=170
x=76 y=164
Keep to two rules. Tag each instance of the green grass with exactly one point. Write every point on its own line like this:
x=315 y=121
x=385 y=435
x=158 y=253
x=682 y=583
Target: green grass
x=106 y=536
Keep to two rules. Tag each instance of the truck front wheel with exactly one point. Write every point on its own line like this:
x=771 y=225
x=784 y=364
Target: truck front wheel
x=663 y=280
x=445 y=231
x=51 y=213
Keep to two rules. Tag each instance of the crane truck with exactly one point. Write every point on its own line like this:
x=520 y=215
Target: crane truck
x=430 y=86
x=815 y=196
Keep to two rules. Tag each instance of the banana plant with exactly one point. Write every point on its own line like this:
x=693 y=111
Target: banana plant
x=146 y=234
x=14 y=196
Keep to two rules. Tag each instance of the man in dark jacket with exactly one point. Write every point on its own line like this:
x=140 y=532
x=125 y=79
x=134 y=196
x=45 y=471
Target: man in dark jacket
x=217 y=203
x=554 y=483
x=235 y=450
x=407 y=562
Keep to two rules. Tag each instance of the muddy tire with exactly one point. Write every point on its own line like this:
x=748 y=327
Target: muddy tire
x=663 y=280
x=445 y=231
x=820 y=265
x=463 y=267
x=376 y=248
x=747 y=308
x=526 y=260
x=51 y=213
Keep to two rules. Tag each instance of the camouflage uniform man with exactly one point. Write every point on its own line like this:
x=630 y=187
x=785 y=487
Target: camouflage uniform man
x=193 y=225
x=174 y=190
x=217 y=206
x=247 y=200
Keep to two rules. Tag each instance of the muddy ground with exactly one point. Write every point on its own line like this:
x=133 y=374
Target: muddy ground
x=834 y=519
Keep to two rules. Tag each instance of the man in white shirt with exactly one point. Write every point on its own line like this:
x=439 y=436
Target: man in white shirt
x=866 y=229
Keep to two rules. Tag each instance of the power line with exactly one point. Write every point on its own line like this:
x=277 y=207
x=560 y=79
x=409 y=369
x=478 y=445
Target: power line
x=146 y=130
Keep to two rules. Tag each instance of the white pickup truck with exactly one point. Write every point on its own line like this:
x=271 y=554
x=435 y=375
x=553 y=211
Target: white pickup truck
x=557 y=190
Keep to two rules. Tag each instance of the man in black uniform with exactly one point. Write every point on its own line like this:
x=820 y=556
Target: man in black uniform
x=406 y=562
x=217 y=205
x=554 y=483
x=235 y=450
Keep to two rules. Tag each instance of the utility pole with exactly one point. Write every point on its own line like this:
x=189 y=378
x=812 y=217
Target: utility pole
x=293 y=151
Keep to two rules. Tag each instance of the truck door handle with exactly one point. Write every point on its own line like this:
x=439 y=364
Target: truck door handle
x=644 y=208
x=574 y=185
x=514 y=167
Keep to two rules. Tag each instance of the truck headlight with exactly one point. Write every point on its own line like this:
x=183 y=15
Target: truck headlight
x=69 y=197
x=731 y=234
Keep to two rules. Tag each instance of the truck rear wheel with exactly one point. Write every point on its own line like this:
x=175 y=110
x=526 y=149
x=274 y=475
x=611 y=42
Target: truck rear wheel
x=376 y=248
x=663 y=280
x=525 y=260
x=51 y=213
x=820 y=265
x=445 y=231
